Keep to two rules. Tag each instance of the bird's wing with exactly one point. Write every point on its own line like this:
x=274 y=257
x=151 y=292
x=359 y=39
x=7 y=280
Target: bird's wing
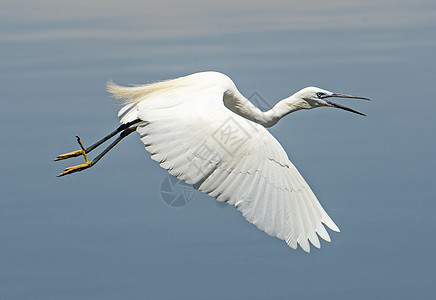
x=198 y=140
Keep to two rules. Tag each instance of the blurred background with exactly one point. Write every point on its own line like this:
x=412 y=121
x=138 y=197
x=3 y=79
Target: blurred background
x=111 y=233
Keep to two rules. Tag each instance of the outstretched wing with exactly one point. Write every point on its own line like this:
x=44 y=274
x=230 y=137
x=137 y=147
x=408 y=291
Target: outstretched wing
x=197 y=139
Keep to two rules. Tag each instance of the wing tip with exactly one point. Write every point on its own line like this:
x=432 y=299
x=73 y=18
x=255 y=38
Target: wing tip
x=334 y=227
x=306 y=248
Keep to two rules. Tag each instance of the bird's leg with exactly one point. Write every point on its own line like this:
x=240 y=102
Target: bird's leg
x=84 y=150
x=73 y=153
x=77 y=168
x=88 y=163
x=124 y=132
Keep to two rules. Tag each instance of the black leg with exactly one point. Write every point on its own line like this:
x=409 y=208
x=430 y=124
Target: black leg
x=119 y=129
x=123 y=134
x=125 y=131
x=98 y=143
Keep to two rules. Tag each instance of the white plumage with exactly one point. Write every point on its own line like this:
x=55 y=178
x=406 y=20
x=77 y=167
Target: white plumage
x=183 y=119
x=205 y=132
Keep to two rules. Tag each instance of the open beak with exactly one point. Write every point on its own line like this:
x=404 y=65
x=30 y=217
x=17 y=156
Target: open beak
x=332 y=104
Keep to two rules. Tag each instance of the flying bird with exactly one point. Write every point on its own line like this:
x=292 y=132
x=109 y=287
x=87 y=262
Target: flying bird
x=205 y=132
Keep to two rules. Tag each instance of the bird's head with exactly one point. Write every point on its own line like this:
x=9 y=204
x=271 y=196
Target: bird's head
x=313 y=97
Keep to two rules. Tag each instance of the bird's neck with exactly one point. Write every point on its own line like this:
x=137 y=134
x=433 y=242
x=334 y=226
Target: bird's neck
x=237 y=103
x=281 y=109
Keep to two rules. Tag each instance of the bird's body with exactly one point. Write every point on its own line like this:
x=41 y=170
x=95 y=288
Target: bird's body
x=205 y=132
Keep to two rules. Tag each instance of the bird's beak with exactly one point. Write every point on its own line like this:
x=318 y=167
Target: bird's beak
x=332 y=104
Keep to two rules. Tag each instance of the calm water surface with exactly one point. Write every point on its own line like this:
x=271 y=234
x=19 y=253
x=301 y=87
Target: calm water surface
x=107 y=234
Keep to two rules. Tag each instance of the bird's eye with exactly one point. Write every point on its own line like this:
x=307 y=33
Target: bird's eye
x=320 y=95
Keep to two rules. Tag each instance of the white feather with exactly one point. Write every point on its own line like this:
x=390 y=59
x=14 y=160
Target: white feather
x=185 y=122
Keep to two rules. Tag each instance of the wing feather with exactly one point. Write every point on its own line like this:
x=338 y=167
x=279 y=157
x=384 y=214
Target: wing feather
x=190 y=132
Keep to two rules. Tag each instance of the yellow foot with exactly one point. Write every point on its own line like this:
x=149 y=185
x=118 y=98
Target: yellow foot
x=75 y=169
x=70 y=154
x=74 y=153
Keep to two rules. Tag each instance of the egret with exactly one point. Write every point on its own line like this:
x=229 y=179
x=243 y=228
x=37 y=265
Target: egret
x=205 y=132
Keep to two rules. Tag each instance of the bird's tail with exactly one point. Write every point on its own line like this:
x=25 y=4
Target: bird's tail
x=138 y=93
x=131 y=96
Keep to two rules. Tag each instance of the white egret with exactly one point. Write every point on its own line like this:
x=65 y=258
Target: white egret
x=205 y=132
